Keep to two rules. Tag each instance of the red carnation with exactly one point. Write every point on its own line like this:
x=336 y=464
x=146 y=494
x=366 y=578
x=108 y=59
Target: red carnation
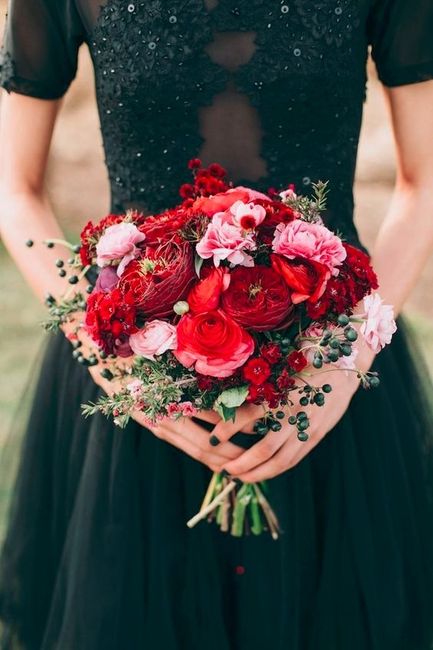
x=256 y=371
x=276 y=212
x=297 y=361
x=271 y=352
x=285 y=381
x=257 y=298
x=160 y=278
x=110 y=319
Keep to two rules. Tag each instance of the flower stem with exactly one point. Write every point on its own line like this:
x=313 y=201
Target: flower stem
x=212 y=505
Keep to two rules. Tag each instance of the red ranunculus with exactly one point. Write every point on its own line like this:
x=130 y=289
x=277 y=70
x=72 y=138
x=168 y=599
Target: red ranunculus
x=257 y=298
x=297 y=361
x=110 y=319
x=306 y=278
x=222 y=201
x=256 y=371
x=161 y=277
x=213 y=343
x=163 y=227
x=206 y=294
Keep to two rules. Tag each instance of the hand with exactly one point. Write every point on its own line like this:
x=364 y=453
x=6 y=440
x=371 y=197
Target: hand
x=281 y=450
x=184 y=434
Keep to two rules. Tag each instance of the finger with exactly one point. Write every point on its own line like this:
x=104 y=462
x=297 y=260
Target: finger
x=208 y=458
x=276 y=465
x=208 y=416
x=258 y=454
x=245 y=415
x=185 y=427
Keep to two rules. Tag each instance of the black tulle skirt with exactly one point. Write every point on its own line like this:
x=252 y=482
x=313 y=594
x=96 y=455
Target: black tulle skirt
x=98 y=556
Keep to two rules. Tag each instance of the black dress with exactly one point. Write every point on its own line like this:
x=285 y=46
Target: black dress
x=98 y=556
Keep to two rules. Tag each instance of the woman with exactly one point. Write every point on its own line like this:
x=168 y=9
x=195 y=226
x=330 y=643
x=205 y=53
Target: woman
x=98 y=555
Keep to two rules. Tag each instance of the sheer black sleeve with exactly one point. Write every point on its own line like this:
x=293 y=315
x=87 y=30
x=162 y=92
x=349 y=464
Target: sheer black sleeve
x=401 y=36
x=40 y=48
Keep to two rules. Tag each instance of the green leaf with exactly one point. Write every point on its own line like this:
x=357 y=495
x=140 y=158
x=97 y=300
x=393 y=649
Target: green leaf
x=227 y=403
x=198 y=263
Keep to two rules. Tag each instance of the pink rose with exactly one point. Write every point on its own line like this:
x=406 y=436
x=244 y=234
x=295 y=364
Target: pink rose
x=380 y=325
x=310 y=241
x=226 y=241
x=210 y=205
x=119 y=243
x=155 y=338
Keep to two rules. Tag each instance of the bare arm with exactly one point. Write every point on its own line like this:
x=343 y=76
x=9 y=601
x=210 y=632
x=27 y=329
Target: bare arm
x=26 y=128
x=405 y=240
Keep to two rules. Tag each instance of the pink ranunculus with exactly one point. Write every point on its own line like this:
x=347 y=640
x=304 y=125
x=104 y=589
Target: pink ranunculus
x=210 y=205
x=155 y=338
x=247 y=215
x=119 y=243
x=226 y=241
x=379 y=326
x=310 y=241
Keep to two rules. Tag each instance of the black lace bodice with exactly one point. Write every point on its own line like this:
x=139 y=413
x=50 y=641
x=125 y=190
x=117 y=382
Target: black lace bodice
x=271 y=89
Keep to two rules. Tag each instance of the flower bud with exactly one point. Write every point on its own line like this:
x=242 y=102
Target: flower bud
x=181 y=307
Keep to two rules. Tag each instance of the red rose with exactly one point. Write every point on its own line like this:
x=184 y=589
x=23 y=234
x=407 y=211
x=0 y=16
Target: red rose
x=256 y=371
x=297 y=361
x=306 y=278
x=213 y=343
x=165 y=226
x=257 y=298
x=110 y=319
x=160 y=278
x=206 y=294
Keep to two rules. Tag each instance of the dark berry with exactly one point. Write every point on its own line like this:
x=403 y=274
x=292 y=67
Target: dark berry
x=73 y=279
x=292 y=419
x=327 y=388
x=343 y=320
x=60 y=263
x=319 y=399
x=62 y=273
x=304 y=401
x=29 y=243
x=107 y=374
x=279 y=415
x=302 y=436
x=350 y=334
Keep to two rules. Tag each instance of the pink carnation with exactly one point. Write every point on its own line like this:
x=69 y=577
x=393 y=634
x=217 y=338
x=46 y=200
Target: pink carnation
x=225 y=241
x=310 y=241
x=118 y=243
x=247 y=215
x=380 y=325
x=155 y=338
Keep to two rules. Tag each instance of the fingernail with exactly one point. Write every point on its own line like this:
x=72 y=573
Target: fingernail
x=214 y=441
x=225 y=473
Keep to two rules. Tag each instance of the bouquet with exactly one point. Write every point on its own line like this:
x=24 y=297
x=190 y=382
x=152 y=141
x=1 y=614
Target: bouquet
x=229 y=298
